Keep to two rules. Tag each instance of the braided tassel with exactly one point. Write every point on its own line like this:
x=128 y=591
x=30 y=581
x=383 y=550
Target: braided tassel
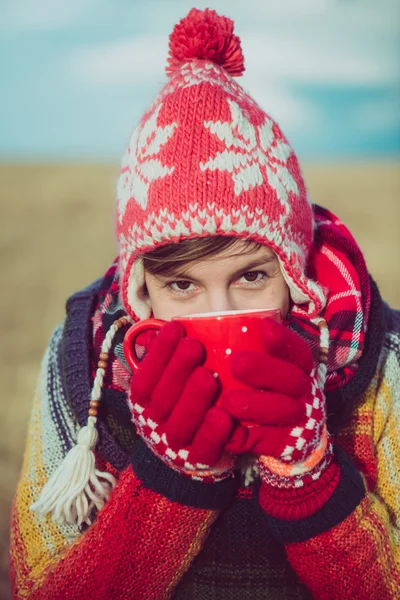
x=76 y=486
x=323 y=349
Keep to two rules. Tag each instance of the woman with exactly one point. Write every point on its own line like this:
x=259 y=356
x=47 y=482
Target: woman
x=143 y=487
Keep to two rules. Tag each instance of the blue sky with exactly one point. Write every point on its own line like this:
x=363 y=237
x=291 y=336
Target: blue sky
x=77 y=74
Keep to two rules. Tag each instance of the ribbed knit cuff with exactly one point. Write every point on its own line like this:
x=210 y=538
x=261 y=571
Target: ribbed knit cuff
x=346 y=497
x=180 y=488
x=293 y=504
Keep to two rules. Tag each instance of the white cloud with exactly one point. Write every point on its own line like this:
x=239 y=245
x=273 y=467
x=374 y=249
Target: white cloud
x=316 y=60
x=325 y=42
x=288 y=50
x=41 y=15
x=361 y=11
x=281 y=15
x=142 y=59
x=290 y=111
x=307 y=41
x=136 y=60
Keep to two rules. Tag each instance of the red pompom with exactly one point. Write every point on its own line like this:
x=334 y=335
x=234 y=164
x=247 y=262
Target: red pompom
x=205 y=35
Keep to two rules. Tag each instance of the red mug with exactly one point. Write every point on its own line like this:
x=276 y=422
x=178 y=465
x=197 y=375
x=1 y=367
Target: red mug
x=219 y=332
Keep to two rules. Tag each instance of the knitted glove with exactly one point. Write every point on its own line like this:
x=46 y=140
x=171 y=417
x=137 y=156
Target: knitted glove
x=171 y=399
x=286 y=408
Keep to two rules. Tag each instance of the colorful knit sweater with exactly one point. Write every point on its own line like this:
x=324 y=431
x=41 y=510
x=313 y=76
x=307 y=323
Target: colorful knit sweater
x=147 y=544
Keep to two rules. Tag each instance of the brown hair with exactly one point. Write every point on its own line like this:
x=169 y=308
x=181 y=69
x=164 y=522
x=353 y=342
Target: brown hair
x=169 y=259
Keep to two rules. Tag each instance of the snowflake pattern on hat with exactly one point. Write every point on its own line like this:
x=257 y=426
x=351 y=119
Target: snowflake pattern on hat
x=207 y=160
x=249 y=152
x=140 y=165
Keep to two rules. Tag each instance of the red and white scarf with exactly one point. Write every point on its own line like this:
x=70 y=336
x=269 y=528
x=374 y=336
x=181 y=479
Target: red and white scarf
x=336 y=263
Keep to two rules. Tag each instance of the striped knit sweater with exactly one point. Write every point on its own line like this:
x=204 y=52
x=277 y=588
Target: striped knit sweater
x=144 y=546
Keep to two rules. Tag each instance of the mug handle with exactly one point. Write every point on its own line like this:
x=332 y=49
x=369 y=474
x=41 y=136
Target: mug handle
x=132 y=334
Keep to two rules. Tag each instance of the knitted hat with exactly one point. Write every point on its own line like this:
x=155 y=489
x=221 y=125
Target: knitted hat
x=206 y=160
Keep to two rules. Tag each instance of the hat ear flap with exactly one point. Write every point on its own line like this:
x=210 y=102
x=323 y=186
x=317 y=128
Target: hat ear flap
x=135 y=298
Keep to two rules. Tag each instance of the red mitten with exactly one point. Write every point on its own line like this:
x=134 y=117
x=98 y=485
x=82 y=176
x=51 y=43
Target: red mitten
x=286 y=404
x=171 y=399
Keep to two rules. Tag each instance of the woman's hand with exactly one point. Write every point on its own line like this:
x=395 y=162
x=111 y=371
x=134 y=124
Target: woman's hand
x=171 y=400
x=284 y=404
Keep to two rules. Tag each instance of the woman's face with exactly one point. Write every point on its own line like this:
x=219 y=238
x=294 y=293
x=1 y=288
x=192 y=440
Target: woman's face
x=226 y=281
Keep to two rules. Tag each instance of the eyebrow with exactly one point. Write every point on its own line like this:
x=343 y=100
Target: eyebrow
x=247 y=267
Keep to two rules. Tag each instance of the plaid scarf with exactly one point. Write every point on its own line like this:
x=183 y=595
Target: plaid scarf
x=338 y=265
x=336 y=262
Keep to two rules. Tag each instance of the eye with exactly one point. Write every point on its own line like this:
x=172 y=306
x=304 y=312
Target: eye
x=253 y=277
x=181 y=287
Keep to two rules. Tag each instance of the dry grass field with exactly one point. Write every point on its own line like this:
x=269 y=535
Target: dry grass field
x=56 y=236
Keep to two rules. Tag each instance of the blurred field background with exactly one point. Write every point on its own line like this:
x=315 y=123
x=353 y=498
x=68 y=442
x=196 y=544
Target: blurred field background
x=56 y=236
x=76 y=75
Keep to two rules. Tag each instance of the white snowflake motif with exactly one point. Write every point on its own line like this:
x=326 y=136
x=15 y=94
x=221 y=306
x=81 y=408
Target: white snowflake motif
x=140 y=165
x=250 y=151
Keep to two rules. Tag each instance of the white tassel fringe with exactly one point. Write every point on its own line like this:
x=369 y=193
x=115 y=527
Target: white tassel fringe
x=247 y=465
x=76 y=486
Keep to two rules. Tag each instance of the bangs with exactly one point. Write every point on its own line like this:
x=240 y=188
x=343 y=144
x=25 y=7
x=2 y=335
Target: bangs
x=170 y=259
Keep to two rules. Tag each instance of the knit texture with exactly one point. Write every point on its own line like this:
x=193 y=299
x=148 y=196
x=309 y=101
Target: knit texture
x=357 y=558
x=338 y=261
x=206 y=160
x=159 y=477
